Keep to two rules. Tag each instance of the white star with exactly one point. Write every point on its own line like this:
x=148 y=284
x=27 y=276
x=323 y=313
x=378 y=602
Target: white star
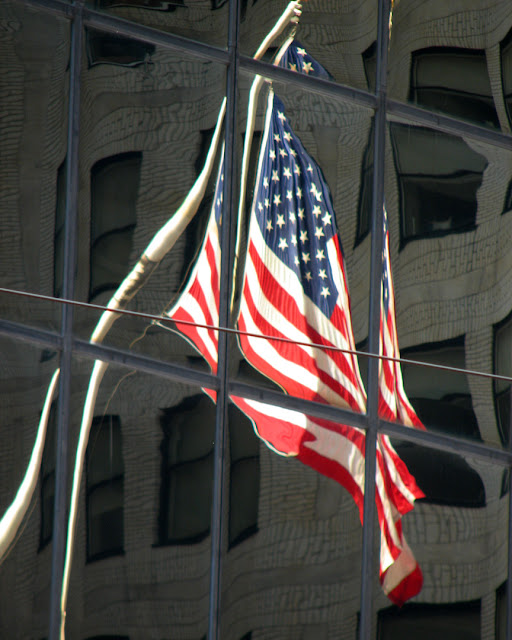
x=275 y=175
x=276 y=137
x=322 y=274
x=296 y=260
x=303 y=236
x=265 y=182
x=325 y=292
x=327 y=218
x=293 y=66
x=287 y=173
x=308 y=276
x=315 y=192
x=301 y=52
x=281 y=116
x=310 y=168
x=319 y=232
x=320 y=255
x=306 y=258
x=291 y=216
x=296 y=170
x=316 y=210
x=307 y=67
x=287 y=136
x=269 y=225
x=282 y=153
x=294 y=240
x=267 y=203
x=277 y=198
x=282 y=243
x=260 y=206
x=293 y=153
x=272 y=154
x=280 y=220
x=289 y=195
x=301 y=214
x=299 y=192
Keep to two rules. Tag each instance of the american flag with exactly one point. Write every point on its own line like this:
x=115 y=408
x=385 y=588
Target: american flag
x=198 y=303
x=295 y=287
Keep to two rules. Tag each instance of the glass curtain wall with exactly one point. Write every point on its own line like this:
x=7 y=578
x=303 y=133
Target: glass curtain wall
x=255 y=319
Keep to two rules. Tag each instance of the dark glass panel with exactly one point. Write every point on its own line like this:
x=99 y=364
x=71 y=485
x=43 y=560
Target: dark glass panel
x=146 y=133
x=26 y=552
x=120 y=506
x=503 y=366
x=33 y=102
x=506 y=72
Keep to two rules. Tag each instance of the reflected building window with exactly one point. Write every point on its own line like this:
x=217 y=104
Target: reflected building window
x=501 y=612
x=58 y=234
x=508 y=199
x=506 y=72
x=503 y=366
x=48 y=479
x=107 y=48
x=155 y=5
x=457 y=621
x=187 y=471
x=114 y=192
x=364 y=210
x=438 y=178
x=370 y=66
x=244 y=477
x=443 y=402
x=453 y=80
x=105 y=489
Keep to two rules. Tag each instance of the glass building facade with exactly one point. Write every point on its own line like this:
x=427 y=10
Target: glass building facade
x=187 y=525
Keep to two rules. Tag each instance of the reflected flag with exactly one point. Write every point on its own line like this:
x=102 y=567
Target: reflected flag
x=295 y=289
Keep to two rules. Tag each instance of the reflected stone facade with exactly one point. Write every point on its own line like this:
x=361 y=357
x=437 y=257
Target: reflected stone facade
x=291 y=540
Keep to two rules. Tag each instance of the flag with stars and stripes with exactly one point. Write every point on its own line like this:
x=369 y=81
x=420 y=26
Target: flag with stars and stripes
x=393 y=402
x=295 y=289
x=198 y=303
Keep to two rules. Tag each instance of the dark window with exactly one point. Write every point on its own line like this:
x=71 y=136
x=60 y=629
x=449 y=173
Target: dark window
x=364 y=210
x=155 y=5
x=48 y=479
x=105 y=48
x=442 y=401
x=244 y=477
x=501 y=612
x=105 y=488
x=503 y=366
x=506 y=72
x=114 y=193
x=508 y=198
x=454 y=80
x=438 y=179
x=457 y=621
x=58 y=236
x=370 y=65
x=187 y=471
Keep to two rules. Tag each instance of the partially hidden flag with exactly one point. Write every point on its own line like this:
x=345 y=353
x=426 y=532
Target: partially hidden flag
x=198 y=303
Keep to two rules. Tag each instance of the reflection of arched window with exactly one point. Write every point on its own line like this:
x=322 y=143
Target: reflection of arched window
x=506 y=72
x=105 y=488
x=107 y=48
x=441 y=398
x=366 y=189
x=438 y=179
x=457 y=621
x=48 y=479
x=370 y=65
x=114 y=193
x=187 y=471
x=453 y=80
x=503 y=366
x=244 y=477
x=155 y=5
